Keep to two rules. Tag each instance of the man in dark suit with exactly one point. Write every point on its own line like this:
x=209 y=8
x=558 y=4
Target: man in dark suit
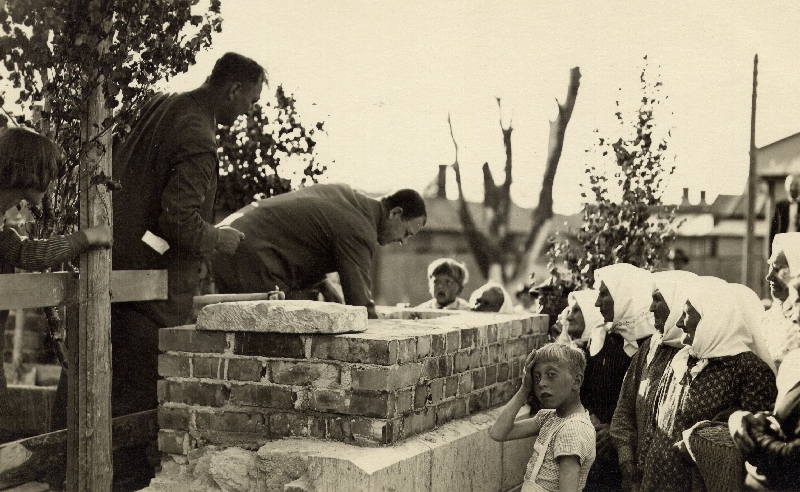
x=786 y=214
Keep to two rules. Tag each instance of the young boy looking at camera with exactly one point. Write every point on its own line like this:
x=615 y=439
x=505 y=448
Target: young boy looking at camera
x=565 y=439
x=446 y=279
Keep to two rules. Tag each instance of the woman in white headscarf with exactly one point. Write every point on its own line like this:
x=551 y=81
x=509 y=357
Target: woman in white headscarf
x=722 y=368
x=631 y=424
x=582 y=316
x=780 y=334
x=623 y=296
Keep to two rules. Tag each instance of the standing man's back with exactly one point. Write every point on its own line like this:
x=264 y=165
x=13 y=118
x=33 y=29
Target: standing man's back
x=168 y=169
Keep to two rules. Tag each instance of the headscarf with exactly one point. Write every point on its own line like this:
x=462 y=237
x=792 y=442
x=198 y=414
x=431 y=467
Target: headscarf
x=585 y=299
x=673 y=286
x=507 y=306
x=753 y=313
x=789 y=244
x=726 y=316
x=788 y=381
x=631 y=289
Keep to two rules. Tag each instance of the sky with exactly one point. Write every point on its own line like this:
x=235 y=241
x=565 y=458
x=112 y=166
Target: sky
x=384 y=76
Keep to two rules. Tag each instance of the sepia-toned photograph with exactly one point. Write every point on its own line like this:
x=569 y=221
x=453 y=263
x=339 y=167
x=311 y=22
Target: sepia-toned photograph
x=353 y=246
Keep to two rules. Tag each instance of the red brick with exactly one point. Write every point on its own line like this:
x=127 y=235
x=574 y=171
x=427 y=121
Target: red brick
x=246 y=369
x=372 y=431
x=193 y=393
x=431 y=368
x=484 y=355
x=173 y=365
x=423 y=346
x=479 y=378
x=445 y=365
x=494 y=353
x=481 y=336
x=404 y=401
x=207 y=367
x=502 y=372
x=421 y=396
x=475 y=358
x=452 y=341
x=491 y=334
x=450 y=386
x=515 y=367
x=284 y=345
x=461 y=361
x=479 y=401
x=419 y=422
x=437 y=390
x=406 y=350
x=464 y=383
x=358 y=350
x=175 y=418
x=372 y=404
x=503 y=331
x=187 y=339
x=374 y=378
x=451 y=410
x=288 y=424
x=468 y=338
x=500 y=393
x=337 y=428
x=305 y=373
x=516 y=328
x=437 y=344
x=329 y=400
x=491 y=375
x=233 y=421
x=527 y=326
x=174 y=442
x=265 y=396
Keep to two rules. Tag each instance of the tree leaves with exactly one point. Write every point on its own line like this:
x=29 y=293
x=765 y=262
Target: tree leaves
x=253 y=148
x=636 y=228
x=51 y=54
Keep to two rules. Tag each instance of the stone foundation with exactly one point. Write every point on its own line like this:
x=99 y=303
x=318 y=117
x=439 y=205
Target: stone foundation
x=398 y=379
x=458 y=457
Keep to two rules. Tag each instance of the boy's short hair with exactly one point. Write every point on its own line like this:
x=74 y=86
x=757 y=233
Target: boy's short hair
x=449 y=266
x=572 y=357
x=28 y=161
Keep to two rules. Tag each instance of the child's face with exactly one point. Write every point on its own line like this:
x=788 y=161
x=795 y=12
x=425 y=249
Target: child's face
x=553 y=383
x=444 y=288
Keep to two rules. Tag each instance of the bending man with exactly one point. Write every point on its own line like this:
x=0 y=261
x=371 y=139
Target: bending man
x=292 y=240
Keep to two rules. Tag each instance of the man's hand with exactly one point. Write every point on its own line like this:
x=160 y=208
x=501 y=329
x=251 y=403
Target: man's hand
x=329 y=292
x=99 y=236
x=229 y=239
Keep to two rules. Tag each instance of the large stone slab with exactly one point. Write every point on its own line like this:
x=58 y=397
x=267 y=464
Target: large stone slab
x=283 y=317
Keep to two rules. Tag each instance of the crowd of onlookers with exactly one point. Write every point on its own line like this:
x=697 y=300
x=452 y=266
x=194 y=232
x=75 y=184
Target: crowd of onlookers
x=660 y=381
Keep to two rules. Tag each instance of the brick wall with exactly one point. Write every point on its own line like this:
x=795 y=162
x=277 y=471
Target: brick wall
x=400 y=378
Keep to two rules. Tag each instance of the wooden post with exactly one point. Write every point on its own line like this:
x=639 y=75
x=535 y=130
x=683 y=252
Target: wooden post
x=748 y=248
x=89 y=340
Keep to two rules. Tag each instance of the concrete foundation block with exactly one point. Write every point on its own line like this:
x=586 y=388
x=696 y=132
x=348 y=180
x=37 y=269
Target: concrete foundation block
x=283 y=317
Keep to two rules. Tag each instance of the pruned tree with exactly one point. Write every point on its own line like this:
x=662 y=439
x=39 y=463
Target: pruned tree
x=261 y=152
x=624 y=219
x=500 y=255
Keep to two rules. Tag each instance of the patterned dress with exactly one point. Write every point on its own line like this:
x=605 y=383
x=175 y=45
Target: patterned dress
x=631 y=428
x=737 y=382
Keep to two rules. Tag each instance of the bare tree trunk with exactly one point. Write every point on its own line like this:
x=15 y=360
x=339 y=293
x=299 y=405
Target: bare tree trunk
x=544 y=210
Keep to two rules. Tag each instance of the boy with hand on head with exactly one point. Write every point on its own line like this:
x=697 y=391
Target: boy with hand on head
x=446 y=279
x=565 y=440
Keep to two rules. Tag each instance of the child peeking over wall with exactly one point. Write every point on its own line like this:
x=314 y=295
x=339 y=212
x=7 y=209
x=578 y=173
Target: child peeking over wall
x=446 y=279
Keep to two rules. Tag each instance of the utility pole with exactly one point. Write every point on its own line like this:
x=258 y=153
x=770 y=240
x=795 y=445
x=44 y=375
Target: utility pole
x=749 y=246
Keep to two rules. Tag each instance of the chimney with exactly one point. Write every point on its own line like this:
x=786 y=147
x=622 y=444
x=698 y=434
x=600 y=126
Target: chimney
x=441 y=182
x=685 y=199
x=703 y=197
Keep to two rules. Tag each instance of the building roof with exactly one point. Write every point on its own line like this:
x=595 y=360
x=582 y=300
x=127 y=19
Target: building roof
x=779 y=159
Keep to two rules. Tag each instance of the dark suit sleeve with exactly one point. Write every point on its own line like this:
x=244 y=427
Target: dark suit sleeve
x=354 y=262
x=189 y=185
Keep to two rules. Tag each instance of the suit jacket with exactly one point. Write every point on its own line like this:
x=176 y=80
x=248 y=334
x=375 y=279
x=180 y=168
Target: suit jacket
x=780 y=221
